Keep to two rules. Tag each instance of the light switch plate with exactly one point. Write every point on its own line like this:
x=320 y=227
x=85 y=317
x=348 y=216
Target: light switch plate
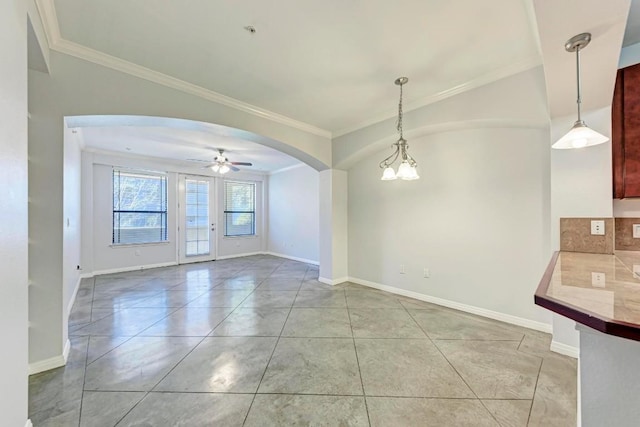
x=636 y=231
x=636 y=271
x=597 y=227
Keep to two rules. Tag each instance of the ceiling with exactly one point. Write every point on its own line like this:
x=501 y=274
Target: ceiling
x=330 y=63
x=185 y=142
x=328 y=66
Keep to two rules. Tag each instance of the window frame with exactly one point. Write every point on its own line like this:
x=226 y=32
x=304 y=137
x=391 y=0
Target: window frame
x=253 y=212
x=164 y=202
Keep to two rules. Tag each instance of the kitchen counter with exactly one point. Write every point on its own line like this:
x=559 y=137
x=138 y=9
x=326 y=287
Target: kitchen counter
x=599 y=291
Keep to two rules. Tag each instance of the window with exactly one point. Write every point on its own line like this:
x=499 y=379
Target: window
x=139 y=207
x=239 y=208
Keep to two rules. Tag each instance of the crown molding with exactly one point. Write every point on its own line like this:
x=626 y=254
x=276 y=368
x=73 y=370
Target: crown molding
x=47 y=11
x=515 y=68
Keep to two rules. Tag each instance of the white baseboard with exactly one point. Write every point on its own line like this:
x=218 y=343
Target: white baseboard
x=239 y=255
x=52 y=362
x=133 y=268
x=28 y=424
x=333 y=282
x=294 y=258
x=567 y=350
x=73 y=296
x=507 y=318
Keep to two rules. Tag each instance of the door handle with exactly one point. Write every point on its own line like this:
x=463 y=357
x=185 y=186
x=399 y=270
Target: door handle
x=213 y=227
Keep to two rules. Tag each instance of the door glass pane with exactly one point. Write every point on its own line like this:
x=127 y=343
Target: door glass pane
x=197 y=218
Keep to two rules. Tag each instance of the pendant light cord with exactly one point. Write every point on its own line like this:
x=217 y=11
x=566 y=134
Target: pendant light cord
x=579 y=100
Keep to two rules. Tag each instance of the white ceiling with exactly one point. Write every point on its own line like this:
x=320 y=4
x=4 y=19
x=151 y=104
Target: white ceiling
x=327 y=63
x=330 y=65
x=192 y=144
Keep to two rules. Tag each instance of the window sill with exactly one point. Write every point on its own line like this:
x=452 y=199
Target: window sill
x=129 y=245
x=253 y=236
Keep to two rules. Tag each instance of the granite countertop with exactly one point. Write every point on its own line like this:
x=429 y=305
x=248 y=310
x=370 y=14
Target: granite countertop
x=600 y=291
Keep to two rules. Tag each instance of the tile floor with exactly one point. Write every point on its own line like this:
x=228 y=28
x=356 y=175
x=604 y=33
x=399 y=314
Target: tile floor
x=258 y=341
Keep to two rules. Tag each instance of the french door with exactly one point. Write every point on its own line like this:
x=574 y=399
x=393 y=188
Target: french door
x=197 y=214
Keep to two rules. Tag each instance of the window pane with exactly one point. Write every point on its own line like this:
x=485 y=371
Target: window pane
x=139 y=207
x=239 y=211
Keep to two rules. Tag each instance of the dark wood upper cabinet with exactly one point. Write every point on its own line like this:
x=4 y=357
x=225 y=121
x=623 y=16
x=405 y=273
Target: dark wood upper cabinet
x=625 y=133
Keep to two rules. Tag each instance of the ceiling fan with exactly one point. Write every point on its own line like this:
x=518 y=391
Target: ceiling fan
x=222 y=165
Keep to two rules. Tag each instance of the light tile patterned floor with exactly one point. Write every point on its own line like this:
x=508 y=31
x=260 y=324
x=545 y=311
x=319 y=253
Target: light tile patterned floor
x=258 y=341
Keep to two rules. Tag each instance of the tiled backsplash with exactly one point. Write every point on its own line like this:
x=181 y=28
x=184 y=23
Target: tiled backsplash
x=575 y=236
x=624 y=234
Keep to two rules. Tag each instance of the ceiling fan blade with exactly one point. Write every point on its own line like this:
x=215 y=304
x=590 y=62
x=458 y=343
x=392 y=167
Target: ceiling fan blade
x=208 y=166
x=233 y=168
x=241 y=163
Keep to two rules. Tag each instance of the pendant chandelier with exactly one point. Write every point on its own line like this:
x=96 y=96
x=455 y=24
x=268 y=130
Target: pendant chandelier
x=407 y=169
x=580 y=134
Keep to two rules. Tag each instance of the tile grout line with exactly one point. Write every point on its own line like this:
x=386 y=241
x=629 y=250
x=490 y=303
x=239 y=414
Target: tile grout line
x=535 y=389
x=180 y=361
x=355 y=350
x=246 y=416
x=452 y=367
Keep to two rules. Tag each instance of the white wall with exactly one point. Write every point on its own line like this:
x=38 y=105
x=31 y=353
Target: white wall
x=477 y=219
x=72 y=226
x=13 y=213
x=294 y=212
x=100 y=255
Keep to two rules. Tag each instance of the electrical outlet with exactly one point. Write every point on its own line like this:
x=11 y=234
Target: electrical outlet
x=597 y=227
x=426 y=273
x=137 y=252
x=598 y=280
x=636 y=231
x=401 y=268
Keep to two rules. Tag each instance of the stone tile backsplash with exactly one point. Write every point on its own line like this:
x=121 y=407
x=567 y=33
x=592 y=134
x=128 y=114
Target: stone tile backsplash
x=624 y=234
x=575 y=236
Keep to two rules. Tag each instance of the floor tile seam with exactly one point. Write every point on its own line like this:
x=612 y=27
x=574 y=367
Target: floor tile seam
x=268 y=362
x=535 y=389
x=101 y=356
x=130 y=337
x=84 y=380
x=418 y=324
x=355 y=351
x=454 y=369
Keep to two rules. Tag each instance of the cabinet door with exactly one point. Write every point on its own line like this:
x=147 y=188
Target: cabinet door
x=617 y=136
x=631 y=129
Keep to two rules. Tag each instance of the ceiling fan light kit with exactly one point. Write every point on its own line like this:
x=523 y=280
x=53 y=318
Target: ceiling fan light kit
x=222 y=165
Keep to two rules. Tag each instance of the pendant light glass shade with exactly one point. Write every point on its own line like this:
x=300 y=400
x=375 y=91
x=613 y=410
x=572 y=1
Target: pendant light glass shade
x=224 y=169
x=215 y=168
x=388 y=174
x=580 y=136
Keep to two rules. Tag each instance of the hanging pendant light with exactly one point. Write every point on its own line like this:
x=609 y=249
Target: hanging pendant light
x=407 y=169
x=580 y=134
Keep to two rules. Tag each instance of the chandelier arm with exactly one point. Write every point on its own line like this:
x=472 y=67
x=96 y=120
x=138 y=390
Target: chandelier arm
x=386 y=162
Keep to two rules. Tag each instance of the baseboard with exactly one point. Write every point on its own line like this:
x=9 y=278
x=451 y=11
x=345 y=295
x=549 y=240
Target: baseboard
x=333 y=282
x=28 y=424
x=294 y=258
x=73 y=296
x=567 y=350
x=495 y=315
x=239 y=255
x=52 y=362
x=133 y=268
